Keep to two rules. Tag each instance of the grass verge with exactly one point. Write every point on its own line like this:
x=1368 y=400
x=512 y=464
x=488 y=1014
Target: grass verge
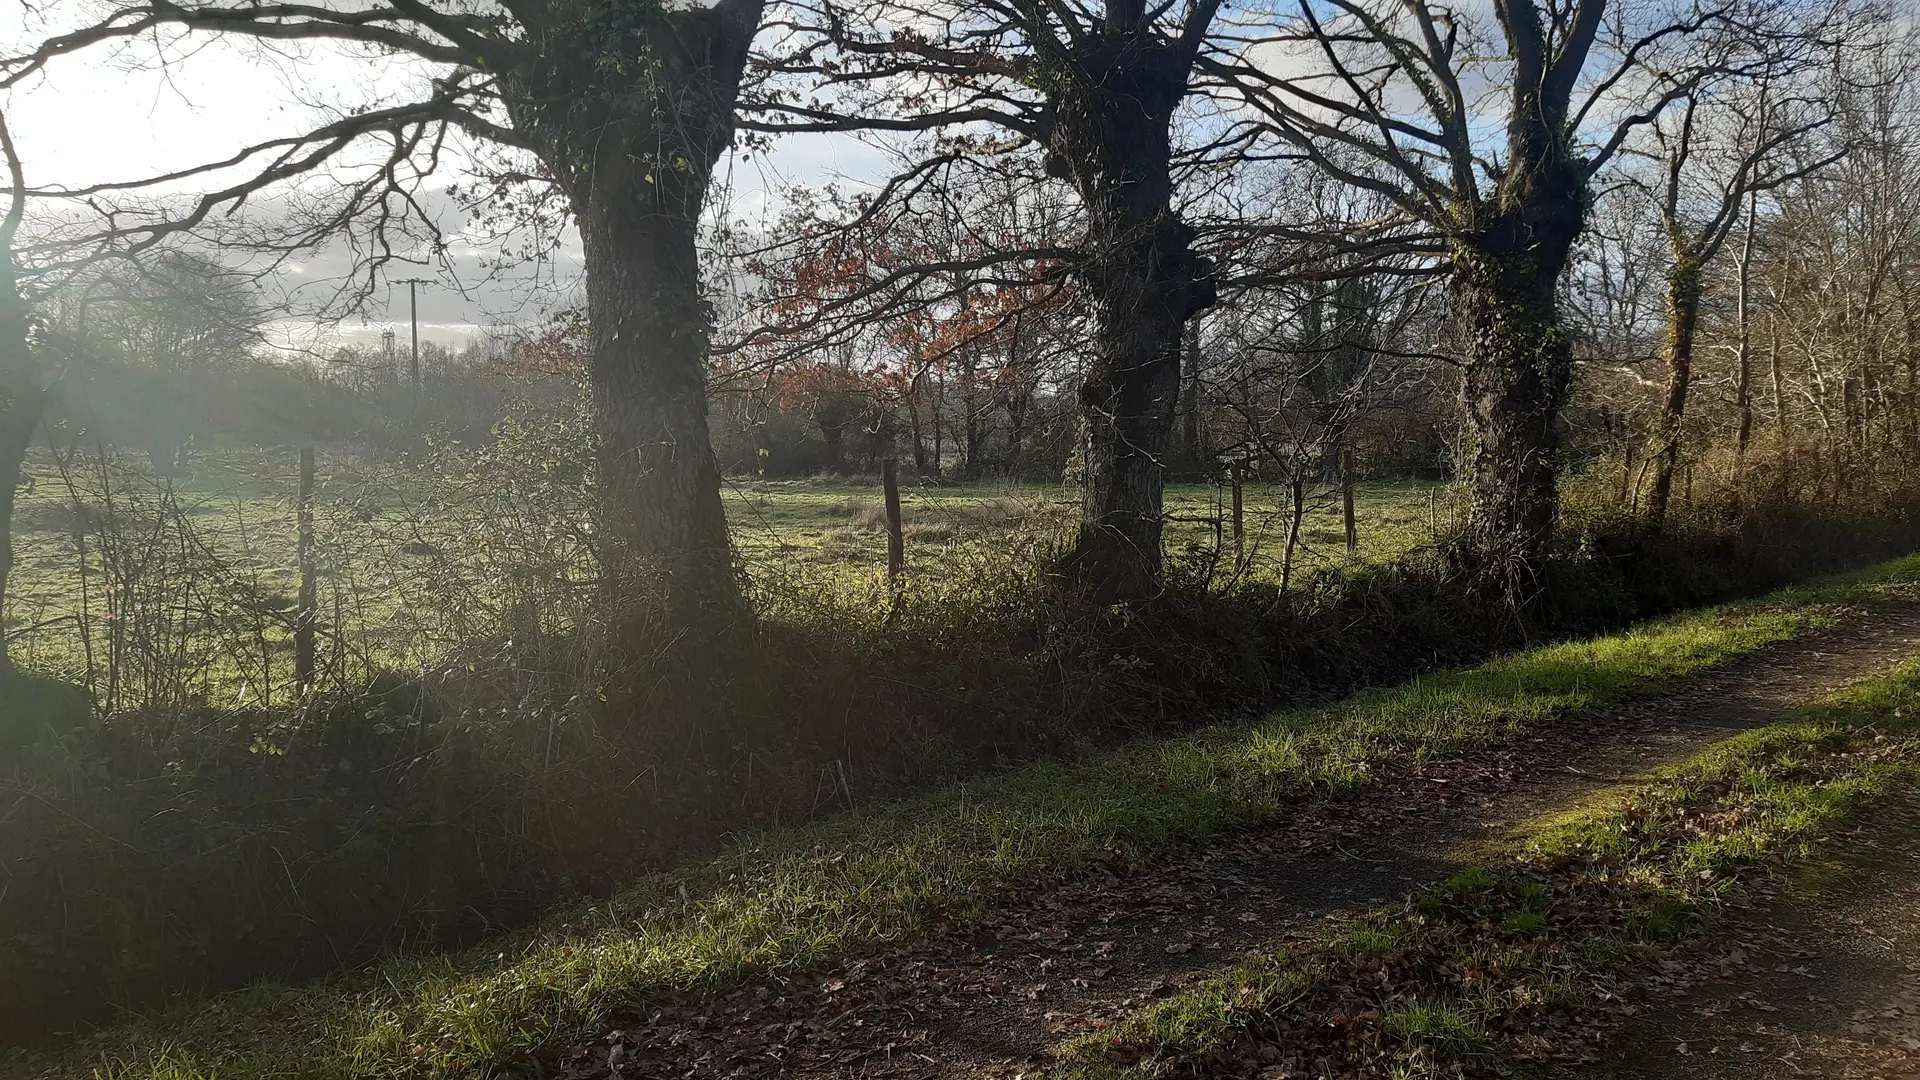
x=809 y=895
x=1495 y=966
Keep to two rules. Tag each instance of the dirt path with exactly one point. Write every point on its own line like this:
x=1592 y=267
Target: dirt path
x=988 y=996
x=1818 y=977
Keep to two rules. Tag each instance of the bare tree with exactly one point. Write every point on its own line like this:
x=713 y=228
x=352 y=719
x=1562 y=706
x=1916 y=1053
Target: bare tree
x=1391 y=99
x=1834 y=259
x=1718 y=151
x=144 y=338
x=623 y=108
x=1096 y=87
x=22 y=384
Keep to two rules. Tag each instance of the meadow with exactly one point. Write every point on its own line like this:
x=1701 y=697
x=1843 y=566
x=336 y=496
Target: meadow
x=840 y=523
x=158 y=591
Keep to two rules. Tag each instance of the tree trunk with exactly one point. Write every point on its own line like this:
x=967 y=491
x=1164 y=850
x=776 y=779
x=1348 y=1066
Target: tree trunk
x=1683 y=319
x=1776 y=378
x=1018 y=396
x=915 y=395
x=1239 y=520
x=1191 y=456
x=635 y=144
x=1295 y=520
x=20 y=408
x=1111 y=139
x=1519 y=369
x=939 y=428
x=1504 y=296
x=22 y=401
x=1016 y=406
x=663 y=533
x=973 y=427
x=1906 y=427
x=1743 y=319
x=1127 y=406
x=834 y=434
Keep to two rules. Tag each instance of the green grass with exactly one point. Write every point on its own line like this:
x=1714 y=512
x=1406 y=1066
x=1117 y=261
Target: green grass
x=1443 y=1024
x=839 y=525
x=810 y=895
x=416 y=557
x=1460 y=975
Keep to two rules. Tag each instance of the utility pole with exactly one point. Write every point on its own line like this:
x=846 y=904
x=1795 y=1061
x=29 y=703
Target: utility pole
x=413 y=299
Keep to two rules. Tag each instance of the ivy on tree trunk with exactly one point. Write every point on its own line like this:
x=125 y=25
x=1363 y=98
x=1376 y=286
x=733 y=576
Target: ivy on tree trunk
x=1113 y=106
x=1683 y=320
x=1518 y=372
x=631 y=106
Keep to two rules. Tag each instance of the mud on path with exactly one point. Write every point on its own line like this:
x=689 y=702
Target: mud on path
x=993 y=994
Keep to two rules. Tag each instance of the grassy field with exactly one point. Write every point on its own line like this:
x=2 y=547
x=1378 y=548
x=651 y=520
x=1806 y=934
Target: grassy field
x=832 y=523
x=808 y=895
x=184 y=588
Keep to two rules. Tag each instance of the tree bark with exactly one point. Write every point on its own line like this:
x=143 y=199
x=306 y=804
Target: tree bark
x=20 y=408
x=22 y=402
x=915 y=389
x=663 y=532
x=939 y=428
x=1191 y=457
x=1016 y=400
x=1507 y=265
x=1297 y=487
x=1111 y=140
x=1743 y=318
x=973 y=427
x=634 y=145
x=1683 y=320
x=1518 y=373
x=1239 y=520
x=1016 y=407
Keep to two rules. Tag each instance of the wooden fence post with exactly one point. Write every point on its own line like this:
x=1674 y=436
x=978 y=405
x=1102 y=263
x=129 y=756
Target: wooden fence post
x=896 y=534
x=306 y=610
x=1239 y=521
x=1346 y=501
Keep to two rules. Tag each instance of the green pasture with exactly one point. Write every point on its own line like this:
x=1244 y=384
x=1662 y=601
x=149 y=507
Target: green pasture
x=191 y=579
x=832 y=523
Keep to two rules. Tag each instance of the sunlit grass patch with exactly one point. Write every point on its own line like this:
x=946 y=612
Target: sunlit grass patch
x=1443 y=1024
x=1456 y=979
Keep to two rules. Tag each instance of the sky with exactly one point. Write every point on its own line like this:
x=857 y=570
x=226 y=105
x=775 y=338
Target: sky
x=104 y=116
